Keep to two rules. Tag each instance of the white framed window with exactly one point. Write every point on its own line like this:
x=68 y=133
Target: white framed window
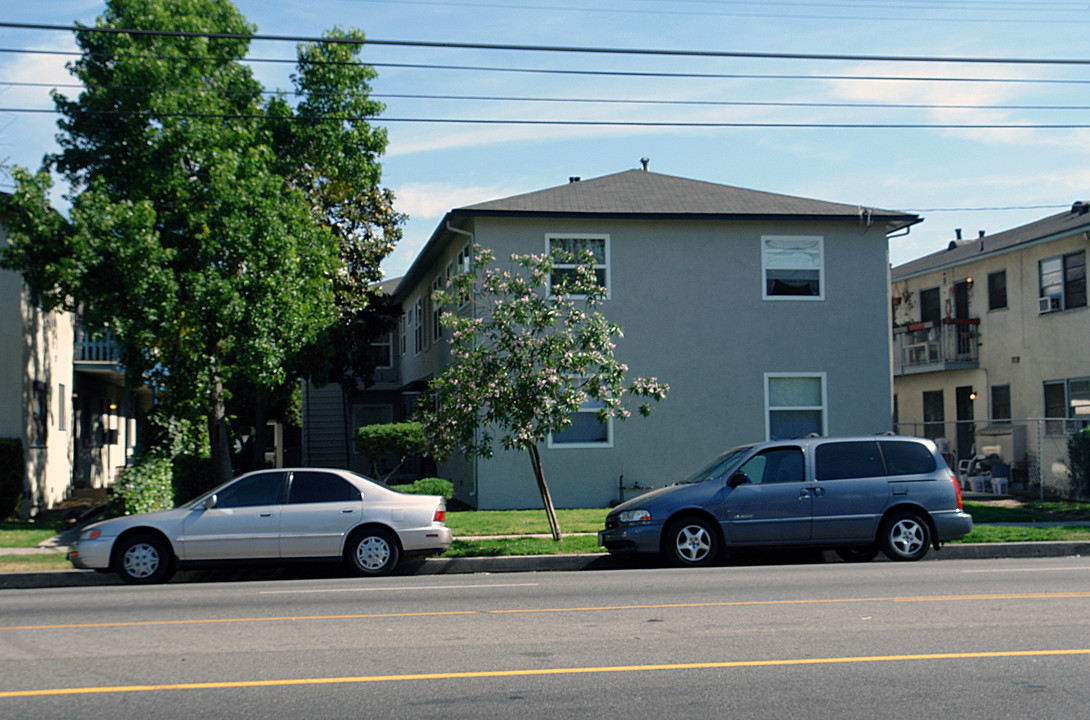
x=382 y=352
x=461 y=266
x=406 y=320
x=576 y=244
x=795 y=405
x=418 y=326
x=586 y=430
x=1063 y=282
x=436 y=310
x=793 y=267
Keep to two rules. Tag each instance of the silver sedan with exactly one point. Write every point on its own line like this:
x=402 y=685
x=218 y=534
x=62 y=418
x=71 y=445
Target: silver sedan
x=284 y=515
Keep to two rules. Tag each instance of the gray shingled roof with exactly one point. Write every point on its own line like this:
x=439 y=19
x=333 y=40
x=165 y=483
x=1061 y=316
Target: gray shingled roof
x=1077 y=219
x=646 y=194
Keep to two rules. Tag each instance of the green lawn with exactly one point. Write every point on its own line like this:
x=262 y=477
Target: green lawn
x=23 y=535
x=524 y=522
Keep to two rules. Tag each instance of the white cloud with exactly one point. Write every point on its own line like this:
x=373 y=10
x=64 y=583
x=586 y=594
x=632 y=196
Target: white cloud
x=432 y=200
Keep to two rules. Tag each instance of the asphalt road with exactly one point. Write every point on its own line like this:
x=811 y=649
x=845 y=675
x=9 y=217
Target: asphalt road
x=967 y=639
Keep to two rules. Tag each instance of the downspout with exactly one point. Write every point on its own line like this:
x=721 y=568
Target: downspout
x=476 y=460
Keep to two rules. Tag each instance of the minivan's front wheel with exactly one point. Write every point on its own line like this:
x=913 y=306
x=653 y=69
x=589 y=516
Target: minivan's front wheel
x=904 y=536
x=691 y=542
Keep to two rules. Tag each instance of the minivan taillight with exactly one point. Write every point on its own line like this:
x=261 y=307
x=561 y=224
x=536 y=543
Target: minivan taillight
x=957 y=489
x=441 y=512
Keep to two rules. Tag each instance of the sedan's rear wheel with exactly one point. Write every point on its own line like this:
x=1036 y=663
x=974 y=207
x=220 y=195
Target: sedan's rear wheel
x=143 y=559
x=372 y=552
x=691 y=542
x=904 y=536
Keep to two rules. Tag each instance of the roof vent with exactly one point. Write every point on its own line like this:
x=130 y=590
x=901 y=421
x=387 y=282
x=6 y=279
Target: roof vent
x=953 y=245
x=980 y=233
x=574 y=179
x=957 y=233
x=644 y=161
x=1080 y=208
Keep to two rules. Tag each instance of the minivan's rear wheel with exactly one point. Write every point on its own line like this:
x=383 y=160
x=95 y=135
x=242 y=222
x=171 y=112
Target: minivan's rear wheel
x=863 y=553
x=691 y=542
x=372 y=552
x=904 y=536
x=143 y=559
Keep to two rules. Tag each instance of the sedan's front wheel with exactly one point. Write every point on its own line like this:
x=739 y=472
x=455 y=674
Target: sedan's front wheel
x=372 y=552
x=143 y=559
x=691 y=542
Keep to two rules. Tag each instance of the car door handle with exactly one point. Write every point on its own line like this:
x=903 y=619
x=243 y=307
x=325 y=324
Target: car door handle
x=348 y=511
x=819 y=491
x=268 y=514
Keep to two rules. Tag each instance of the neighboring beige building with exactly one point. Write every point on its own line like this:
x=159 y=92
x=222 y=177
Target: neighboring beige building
x=63 y=395
x=993 y=330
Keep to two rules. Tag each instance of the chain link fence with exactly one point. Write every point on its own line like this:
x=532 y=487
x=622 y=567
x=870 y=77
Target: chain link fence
x=1025 y=456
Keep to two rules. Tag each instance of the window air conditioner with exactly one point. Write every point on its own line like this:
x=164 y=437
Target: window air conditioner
x=1049 y=303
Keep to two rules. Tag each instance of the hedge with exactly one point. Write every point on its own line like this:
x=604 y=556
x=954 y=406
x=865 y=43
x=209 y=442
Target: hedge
x=144 y=487
x=428 y=486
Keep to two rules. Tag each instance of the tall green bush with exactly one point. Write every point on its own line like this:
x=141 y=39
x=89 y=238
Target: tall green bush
x=402 y=440
x=144 y=487
x=1078 y=456
x=12 y=472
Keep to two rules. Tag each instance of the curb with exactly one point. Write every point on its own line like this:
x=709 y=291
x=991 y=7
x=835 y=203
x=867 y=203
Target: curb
x=524 y=563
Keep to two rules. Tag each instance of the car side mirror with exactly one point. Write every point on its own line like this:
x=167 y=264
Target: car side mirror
x=738 y=478
x=209 y=503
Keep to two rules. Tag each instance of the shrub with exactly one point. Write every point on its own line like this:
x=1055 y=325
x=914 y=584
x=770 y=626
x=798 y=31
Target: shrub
x=428 y=486
x=12 y=472
x=1078 y=455
x=144 y=487
x=401 y=440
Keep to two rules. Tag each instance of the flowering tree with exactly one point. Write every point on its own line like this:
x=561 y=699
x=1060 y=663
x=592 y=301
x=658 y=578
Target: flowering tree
x=529 y=349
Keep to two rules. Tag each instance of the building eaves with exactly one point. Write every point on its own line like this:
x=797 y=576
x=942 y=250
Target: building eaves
x=1054 y=227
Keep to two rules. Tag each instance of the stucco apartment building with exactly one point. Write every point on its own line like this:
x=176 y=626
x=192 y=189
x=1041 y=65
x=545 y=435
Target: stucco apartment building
x=63 y=396
x=766 y=314
x=993 y=329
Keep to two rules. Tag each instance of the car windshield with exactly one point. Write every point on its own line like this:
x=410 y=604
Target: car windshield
x=717 y=467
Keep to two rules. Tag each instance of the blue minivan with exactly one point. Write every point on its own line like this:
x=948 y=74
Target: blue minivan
x=854 y=495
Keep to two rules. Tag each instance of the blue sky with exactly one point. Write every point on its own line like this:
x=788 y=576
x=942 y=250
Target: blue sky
x=433 y=167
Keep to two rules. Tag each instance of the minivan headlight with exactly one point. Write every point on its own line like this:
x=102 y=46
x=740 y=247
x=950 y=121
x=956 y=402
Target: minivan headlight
x=632 y=516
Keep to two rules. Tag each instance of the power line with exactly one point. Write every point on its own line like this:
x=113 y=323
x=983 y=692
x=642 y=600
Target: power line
x=735 y=54
x=674 y=11
x=588 y=101
x=574 y=123
x=595 y=73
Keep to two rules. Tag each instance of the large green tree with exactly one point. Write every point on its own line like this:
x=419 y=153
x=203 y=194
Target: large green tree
x=218 y=235
x=530 y=353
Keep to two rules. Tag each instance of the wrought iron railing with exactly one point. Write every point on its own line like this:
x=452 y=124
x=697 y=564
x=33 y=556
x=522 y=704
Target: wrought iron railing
x=952 y=343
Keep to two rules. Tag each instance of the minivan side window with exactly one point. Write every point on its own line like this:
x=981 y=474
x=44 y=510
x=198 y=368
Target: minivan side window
x=907 y=458
x=777 y=465
x=843 y=460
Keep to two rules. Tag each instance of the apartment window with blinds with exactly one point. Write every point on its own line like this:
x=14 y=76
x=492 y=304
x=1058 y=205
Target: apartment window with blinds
x=794 y=267
x=795 y=405
x=576 y=245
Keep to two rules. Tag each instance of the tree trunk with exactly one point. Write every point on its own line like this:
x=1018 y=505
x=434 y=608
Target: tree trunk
x=217 y=434
x=261 y=417
x=546 y=498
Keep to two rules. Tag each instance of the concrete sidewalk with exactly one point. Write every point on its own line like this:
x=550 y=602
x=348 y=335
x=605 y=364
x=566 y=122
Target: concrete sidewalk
x=513 y=563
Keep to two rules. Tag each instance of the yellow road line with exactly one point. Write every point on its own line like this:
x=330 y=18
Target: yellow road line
x=440 y=613
x=537 y=672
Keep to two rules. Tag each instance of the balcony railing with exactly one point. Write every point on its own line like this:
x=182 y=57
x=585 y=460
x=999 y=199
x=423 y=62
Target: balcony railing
x=100 y=349
x=952 y=344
